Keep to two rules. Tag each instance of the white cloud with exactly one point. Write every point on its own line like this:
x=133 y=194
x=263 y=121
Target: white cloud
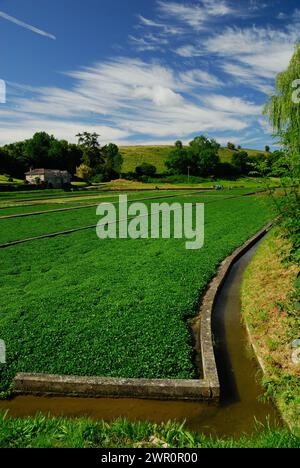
x=247 y=76
x=265 y=51
x=25 y=127
x=200 y=78
x=252 y=56
x=188 y=51
x=195 y=15
x=233 y=105
x=149 y=22
x=145 y=43
x=125 y=99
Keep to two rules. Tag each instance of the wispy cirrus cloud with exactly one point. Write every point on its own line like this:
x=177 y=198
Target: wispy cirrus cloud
x=264 y=50
x=127 y=100
x=197 y=14
x=166 y=28
x=26 y=25
x=232 y=104
x=148 y=42
x=252 y=56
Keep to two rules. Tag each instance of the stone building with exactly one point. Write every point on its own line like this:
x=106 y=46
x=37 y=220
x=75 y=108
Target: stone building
x=50 y=177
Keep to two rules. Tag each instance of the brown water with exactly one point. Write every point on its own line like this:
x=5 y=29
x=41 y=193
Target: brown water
x=239 y=408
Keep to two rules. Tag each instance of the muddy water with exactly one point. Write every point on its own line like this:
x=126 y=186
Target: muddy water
x=239 y=409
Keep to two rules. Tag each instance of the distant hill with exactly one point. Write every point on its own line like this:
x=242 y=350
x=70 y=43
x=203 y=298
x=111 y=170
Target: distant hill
x=135 y=155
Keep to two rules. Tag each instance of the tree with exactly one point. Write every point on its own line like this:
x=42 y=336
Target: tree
x=73 y=158
x=231 y=146
x=145 y=169
x=88 y=140
x=57 y=154
x=36 y=150
x=84 y=172
x=283 y=110
x=92 y=155
x=267 y=149
x=112 y=162
x=199 y=159
x=205 y=152
x=177 y=161
x=240 y=161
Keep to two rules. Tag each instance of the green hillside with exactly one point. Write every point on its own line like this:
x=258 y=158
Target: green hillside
x=135 y=155
x=5 y=180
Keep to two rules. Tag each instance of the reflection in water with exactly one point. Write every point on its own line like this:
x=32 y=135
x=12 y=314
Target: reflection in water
x=238 y=371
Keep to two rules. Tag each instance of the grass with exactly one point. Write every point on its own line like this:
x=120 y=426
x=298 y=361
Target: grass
x=39 y=205
x=29 y=194
x=16 y=229
x=4 y=180
x=78 y=305
x=271 y=311
x=179 y=182
x=157 y=155
x=43 y=432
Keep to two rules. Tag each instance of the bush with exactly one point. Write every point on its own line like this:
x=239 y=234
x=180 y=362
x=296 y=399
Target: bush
x=241 y=163
x=97 y=179
x=145 y=169
x=231 y=146
x=227 y=170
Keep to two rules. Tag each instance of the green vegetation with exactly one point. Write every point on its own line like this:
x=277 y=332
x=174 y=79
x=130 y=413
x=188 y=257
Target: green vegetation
x=175 y=182
x=45 y=151
x=284 y=116
x=271 y=288
x=157 y=155
x=94 y=164
x=12 y=229
x=14 y=207
x=8 y=180
x=122 y=303
x=134 y=156
x=42 y=432
x=270 y=304
x=200 y=158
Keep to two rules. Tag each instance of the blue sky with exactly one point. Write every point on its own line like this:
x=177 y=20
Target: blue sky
x=143 y=71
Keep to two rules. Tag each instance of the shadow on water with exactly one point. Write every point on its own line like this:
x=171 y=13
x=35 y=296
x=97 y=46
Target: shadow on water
x=240 y=408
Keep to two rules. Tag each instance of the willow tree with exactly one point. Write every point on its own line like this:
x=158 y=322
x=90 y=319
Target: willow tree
x=283 y=110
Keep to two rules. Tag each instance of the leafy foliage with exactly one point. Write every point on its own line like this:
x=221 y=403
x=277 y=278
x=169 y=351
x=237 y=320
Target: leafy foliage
x=77 y=305
x=145 y=169
x=284 y=116
x=199 y=159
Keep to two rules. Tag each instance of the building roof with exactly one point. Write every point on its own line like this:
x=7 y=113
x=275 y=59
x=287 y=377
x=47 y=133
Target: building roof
x=39 y=172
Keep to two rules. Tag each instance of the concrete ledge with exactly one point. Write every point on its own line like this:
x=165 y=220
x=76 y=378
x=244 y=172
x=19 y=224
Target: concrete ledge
x=112 y=387
x=202 y=389
x=206 y=311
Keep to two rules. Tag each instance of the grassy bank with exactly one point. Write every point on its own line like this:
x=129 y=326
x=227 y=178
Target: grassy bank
x=42 y=432
x=271 y=311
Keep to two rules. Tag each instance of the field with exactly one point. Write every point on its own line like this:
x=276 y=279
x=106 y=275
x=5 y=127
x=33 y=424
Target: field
x=77 y=305
x=135 y=155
